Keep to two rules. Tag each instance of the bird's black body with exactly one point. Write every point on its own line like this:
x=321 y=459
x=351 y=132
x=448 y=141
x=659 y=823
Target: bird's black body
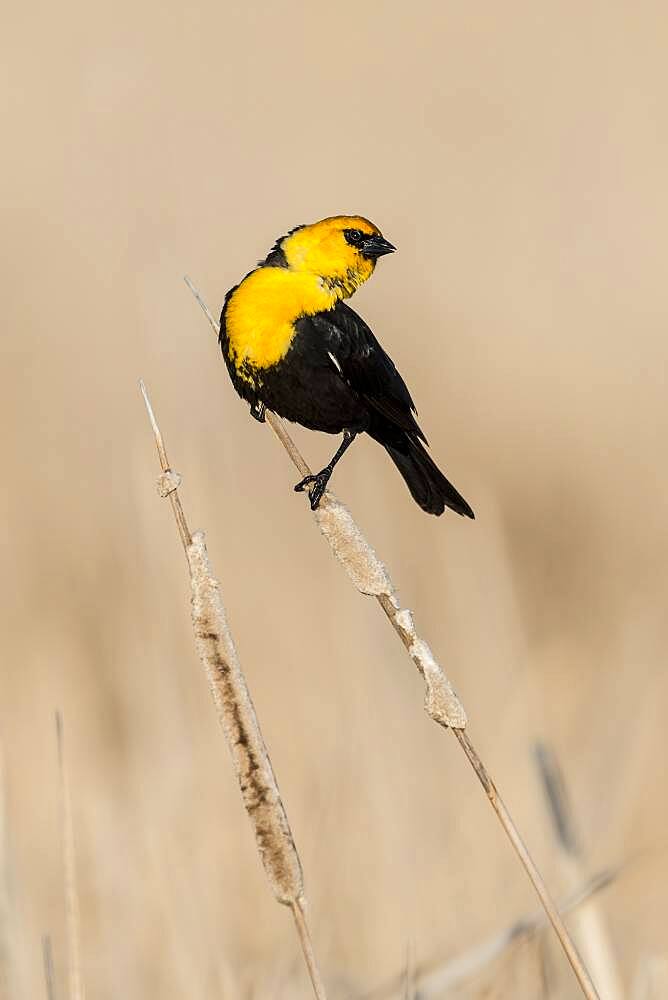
x=305 y=386
x=335 y=377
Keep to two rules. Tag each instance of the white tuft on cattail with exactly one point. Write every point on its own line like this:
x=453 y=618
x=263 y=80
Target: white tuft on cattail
x=351 y=548
x=441 y=702
x=370 y=576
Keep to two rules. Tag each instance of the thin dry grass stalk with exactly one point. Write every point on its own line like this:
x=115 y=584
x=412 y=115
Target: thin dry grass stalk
x=409 y=988
x=49 y=974
x=236 y=714
x=6 y=922
x=72 y=918
x=370 y=576
x=436 y=976
x=589 y=925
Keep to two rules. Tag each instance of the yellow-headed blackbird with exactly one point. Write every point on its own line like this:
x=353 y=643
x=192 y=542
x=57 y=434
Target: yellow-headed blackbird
x=293 y=346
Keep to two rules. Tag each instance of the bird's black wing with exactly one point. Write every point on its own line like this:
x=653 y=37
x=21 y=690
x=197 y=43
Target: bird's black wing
x=365 y=366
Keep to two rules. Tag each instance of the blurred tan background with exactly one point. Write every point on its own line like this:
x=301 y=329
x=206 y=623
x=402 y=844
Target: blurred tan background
x=517 y=155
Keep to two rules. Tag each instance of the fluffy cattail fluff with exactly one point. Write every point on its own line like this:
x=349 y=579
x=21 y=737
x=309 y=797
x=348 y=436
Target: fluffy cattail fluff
x=371 y=577
x=259 y=789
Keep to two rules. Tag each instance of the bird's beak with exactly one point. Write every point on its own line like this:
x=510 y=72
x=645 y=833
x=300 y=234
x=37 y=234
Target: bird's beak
x=376 y=246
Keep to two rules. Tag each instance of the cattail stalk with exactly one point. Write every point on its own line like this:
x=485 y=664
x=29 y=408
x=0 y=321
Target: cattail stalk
x=47 y=962
x=6 y=915
x=370 y=577
x=589 y=924
x=236 y=714
x=72 y=917
x=437 y=977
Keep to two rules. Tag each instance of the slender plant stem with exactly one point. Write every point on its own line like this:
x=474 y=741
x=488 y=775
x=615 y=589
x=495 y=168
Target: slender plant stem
x=307 y=948
x=589 y=921
x=527 y=861
x=169 y=481
x=437 y=976
x=47 y=960
x=76 y=986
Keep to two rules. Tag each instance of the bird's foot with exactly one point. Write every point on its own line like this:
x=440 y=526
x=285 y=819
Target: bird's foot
x=318 y=484
x=257 y=410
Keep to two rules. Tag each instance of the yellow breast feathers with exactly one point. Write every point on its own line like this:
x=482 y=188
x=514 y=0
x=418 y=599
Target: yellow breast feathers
x=261 y=313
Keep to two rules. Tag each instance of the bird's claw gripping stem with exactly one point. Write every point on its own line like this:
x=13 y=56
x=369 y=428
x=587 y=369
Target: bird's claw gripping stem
x=318 y=484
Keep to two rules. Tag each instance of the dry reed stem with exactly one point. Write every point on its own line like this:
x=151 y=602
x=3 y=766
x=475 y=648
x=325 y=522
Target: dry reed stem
x=370 y=577
x=435 y=976
x=299 y=914
x=49 y=975
x=6 y=933
x=236 y=714
x=169 y=481
x=72 y=917
x=589 y=922
x=409 y=986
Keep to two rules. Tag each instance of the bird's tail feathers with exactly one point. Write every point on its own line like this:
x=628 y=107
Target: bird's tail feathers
x=429 y=487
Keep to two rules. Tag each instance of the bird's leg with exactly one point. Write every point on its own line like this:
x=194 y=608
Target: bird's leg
x=320 y=480
x=257 y=410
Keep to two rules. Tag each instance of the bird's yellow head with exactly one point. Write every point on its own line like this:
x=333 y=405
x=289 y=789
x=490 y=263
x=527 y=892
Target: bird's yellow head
x=341 y=251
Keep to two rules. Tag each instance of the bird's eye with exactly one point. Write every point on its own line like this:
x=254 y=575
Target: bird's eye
x=355 y=237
